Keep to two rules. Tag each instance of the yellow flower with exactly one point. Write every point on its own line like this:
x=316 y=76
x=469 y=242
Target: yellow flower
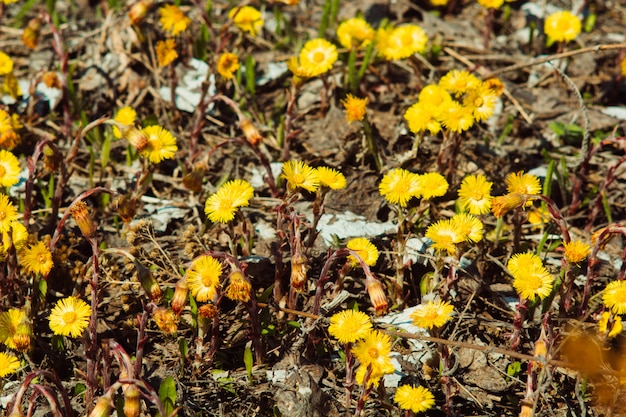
x=69 y=317
x=12 y=86
x=374 y=377
x=435 y=313
x=355 y=33
x=562 y=26
x=491 y=4
x=299 y=71
x=444 y=236
x=495 y=85
x=468 y=226
x=6 y=64
x=239 y=287
x=439 y=2
x=416 y=399
x=331 y=178
x=616 y=325
x=433 y=95
x=203 y=278
x=503 y=204
x=13 y=327
x=530 y=277
x=247 y=18
x=459 y=82
x=401 y=42
x=615 y=297
x=166 y=52
x=456 y=118
x=431 y=185
x=366 y=250
x=300 y=175
x=161 y=144
x=481 y=102
x=398 y=186
x=8 y=364
x=222 y=206
x=318 y=55
x=8 y=213
x=538 y=216
x=19 y=236
x=622 y=67
x=422 y=117
x=576 y=251
x=355 y=108
x=374 y=350
x=9 y=169
x=521 y=183
x=173 y=19
x=475 y=194
x=227 y=64
x=37 y=259
x=126 y=116
x=348 y=326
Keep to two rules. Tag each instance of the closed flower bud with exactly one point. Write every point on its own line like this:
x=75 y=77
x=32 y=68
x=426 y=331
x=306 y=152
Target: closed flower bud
x=30 y=36
x=193 y=179
x=126 y=207
x=180 y=296
x=132 y=404
x=299 y=268
x=502 y=205
x=149 y=284
x=22 y=342
x=80 y=214
x=139 y=10
x=377 y=294
x=103 y=407
x=135 y=137
x=251 y=132
x=239 y=287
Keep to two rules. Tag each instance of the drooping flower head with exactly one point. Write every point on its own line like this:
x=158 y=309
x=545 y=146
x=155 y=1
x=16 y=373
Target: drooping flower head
x=247 y=18
x=300 y=175
x=8 y=364
x=475 y=194
x=562 y=26
x=161 y=144
x=355 y=108
x=398 y=186
x=9 y=169
x=348 y=326
x=203 y=278
x=318 y=56
x=37 y=259
x=331 y=178
x=416 y=399
x=366 y=250
x=434 y=313
x=227 y=64
x=222 y=206
x=355 y=33
x=172 y=19
x=69 y=317
x=576 y=251
x=615 y=297
x=530 y=278
x=166 y=52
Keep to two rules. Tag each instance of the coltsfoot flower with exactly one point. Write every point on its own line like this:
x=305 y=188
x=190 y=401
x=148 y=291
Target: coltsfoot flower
x=125 y=116
x=37 y=259
x=222 y=206
x=355 y=33
x=398 y=186
x=444 y=235
x=331 y=178
x=348 y=326
x=614 y=328
x=227 y=64
x=576 y=251
x=173 y=20
x=431 y=185
x=203 y=278
x=475 y=194
x=300 y=175
x=562 y=26
x=416 y=399
x=530 y=278
x=523 y=183
x=434 y=313
x=161 y=144
x=166 y=52
x=366 y=250
x=374 y=350
x=247 y=18
x=8 y=364
x=355 y=108
x=9 y=169
x=615 y=297
x=401 y=42
x=8 y=213
x=318 y=56
x=70 y=317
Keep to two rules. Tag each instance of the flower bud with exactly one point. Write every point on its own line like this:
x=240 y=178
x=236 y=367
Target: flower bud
x=180 y=296
x=126 y=207
x=103 y=407
x=250 y=131
x=377 y=294
x=139 y=10
x=30 y=36
x=132 y=404
x=80 y=213
x=502 y=205
x=208 y=311
x=299 y=268
x=149 y=284
x=193 y=179
x=134 y=136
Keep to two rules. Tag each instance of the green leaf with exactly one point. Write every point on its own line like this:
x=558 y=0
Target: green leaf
x=250 y=75
x=248 y=361
x=183 y=348
x=167 y=395
x=558 y=128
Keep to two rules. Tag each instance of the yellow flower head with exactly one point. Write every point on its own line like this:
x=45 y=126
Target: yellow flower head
x=576 y=251
x=8 y=213
x=300 y=175
x=11 y=86
x=318 y=56
x=37 y=259
x=203 y=278
x=331 y=178
x=8 y=364
x=348 y=326
x=521 y=183
x=491 y=4
x=227 y=64
x=374 y=350
x=14 y=327
x=247 y=18
x=222 y=206
x=69 y=317
x=530 y=278
x=9 y=169
x=495 y=85
x=538 y=216
x=475 y=194
x=459 y=82
x=435 y=313
x=615 y=297
x=398 y=186
x=431 y=185
x=355 y=108
x=355 y=33
x=239 y=287
x=469 y=226
x=6 y=64
x=562 y=26
x=610 y=330
x=161 y=144
x=439 y=2
x=19 y=235
x=456 y=118
x=421 y=117
x=481 y=102
x=126 y=116
x=300 y=72
x=433 y=95
x=416 y=399
x=622 y=67
x=366 y=250
x=444 y=236
x=173 y=19
x=503 y=204
x=166 y=52
x=401 y=42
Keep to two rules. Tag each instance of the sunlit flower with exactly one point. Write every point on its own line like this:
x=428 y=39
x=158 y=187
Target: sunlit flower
x=576 y=251
x=227 y=64
x=475 y=194
x=503 y=204
x=562 y=26
x=374 y=349
x=173 y=19
x=431 y=185
x=398 y=186
x=538 y=216
x=416 y=399
x=300 y=175
x=491 y=4
x=126 y=116
x=401 y=42
x=161 y=144
x=374 y=377
x=616 y=325
x=8 y=364
x=348 y=326
x=355 y=33
x=6 y=64
x=239 y=287
x=530 y=278
x=444 y=236
x=481 y=102
x=9 y=169
x=331 y=178
x=222 y=206
x=8 y=213
x=318 y=55
x=14 y=328
x=522 y=183
x=421 y=117
x=19 y=235
x=300 y=72
x=469 y=226
x=69 y=317
x=247 y=18
x=456 y=118
x=355 y=108
x=37 y=259
x=166 y=52
x=203 y=278
x=435 y=313
x=522 y=261
x=615 y=296
x=366 y=250
x=9 y=138
x=459 y=82
x=433 y=95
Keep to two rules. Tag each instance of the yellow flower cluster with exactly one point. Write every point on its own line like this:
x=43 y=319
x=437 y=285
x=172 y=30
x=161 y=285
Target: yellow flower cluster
x=458 y=101
x=530 y=278
x=399 y=186
x=355 y=33
x=300 y=175
x=222 y=206
x=446 y=234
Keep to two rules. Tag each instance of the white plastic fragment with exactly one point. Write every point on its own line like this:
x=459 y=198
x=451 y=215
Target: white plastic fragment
x=257 y=179
x=189 y=88
x=348 y=224
x=615 y=111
